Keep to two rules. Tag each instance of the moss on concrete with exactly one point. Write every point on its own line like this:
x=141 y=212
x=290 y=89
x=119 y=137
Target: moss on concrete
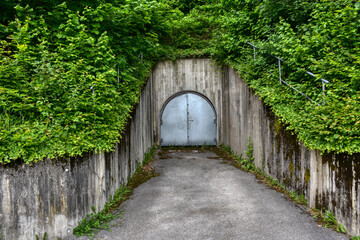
x=291 y=169
x=307 y=175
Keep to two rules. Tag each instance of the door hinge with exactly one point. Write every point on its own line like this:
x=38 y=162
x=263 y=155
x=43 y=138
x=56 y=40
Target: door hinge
x=161 y=141
x=214 y=121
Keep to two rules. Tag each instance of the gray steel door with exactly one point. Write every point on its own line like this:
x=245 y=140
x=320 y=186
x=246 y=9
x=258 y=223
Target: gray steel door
x=187 y=120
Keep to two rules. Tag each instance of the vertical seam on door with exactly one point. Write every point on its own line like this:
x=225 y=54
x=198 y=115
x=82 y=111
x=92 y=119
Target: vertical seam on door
x=187 y=119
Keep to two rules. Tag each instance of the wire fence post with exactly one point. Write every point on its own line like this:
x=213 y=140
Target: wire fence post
x=254 y=48
x=141 y=57
x=254 y=52
x=279 y=60
x=324 y=81
x=92 y=88
x=117 y=66
x=118 y=75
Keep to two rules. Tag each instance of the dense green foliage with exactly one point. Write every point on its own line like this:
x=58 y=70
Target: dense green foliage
x=317 y=36
x=53 y=53
x=50 y=61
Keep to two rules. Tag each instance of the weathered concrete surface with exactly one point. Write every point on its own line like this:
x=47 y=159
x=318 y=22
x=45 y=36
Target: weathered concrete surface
x=170 y=78
x=53 y=196
x=328 y=181
x=197 y=196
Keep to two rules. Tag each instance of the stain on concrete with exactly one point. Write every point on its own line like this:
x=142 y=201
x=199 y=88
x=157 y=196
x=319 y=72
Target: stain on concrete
x=54 y=195
x=52 y=189
x=328 y=181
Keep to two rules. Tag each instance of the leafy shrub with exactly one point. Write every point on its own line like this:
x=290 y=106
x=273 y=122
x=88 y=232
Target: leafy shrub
x=60 y=92
x=323 y=41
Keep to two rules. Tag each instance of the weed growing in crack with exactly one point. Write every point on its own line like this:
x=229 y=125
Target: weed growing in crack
x=247 y=163
x=96 y=221
x=298 y=198
x=250 y=150
x=44 y=237
x=331 y=222
x=328 y=219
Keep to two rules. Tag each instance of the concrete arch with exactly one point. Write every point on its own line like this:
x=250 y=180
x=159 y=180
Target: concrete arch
x=188 y=118
x=199 y=76
x=185 y=92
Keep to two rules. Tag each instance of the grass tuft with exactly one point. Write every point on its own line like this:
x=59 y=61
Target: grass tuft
x=96 y=221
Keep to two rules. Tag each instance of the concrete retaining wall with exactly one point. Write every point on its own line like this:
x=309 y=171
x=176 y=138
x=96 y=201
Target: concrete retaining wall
x=328 y=181
x=53 y=196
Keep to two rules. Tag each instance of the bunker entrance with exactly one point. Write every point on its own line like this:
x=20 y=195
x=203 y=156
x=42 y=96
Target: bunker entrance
x=188 y=119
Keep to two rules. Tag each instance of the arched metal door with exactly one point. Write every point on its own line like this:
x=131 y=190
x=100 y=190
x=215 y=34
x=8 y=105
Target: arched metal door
x=188 y=119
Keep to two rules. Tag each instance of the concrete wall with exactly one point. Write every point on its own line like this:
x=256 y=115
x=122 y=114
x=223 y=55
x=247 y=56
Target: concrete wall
x=328 y=181
x=199 y=75
x=53 y=196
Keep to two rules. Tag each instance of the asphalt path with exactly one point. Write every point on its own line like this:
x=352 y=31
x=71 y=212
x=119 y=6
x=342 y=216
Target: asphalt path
x=198 y=196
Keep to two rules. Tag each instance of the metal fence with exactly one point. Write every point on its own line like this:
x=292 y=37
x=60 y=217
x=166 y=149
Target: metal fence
x=281 y=81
